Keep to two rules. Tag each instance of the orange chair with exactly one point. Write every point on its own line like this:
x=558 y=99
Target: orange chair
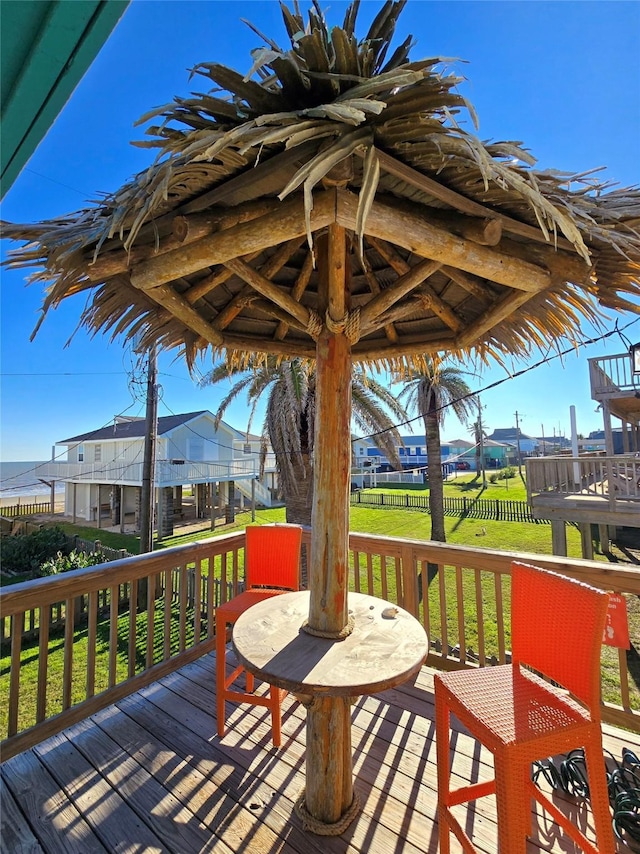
x=557 y=627
x=272 y=566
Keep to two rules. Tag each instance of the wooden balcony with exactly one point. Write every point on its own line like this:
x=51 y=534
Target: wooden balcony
x=614 y=384
x=151 y=772
x=118 y=750
x=586 y=489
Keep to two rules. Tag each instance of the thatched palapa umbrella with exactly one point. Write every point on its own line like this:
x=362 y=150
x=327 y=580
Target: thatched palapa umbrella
x=328 y=205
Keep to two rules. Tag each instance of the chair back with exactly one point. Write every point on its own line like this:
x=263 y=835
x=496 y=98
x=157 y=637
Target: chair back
x=272 y=556
x=557 y=626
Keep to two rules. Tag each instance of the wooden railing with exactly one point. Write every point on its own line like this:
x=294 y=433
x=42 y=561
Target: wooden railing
x=611 y=375
x=615 y=478
x=460 y=594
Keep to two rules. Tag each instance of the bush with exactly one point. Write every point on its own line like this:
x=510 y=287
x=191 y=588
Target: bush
x=507 y=473
x=74 y=560
x=493 y=477
x=27 y=552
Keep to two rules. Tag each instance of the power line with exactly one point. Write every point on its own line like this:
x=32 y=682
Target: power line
x=587 y=342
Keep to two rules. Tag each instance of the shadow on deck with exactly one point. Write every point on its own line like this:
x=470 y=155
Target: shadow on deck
x=150 y=774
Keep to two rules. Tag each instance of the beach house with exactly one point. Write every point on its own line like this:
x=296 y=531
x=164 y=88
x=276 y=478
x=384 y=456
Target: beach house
x=103 y=469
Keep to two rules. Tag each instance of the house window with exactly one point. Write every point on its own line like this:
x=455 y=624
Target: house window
x=98 y=454
x=80 y=453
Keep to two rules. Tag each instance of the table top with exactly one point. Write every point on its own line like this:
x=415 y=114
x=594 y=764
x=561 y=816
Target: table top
x=387 y=646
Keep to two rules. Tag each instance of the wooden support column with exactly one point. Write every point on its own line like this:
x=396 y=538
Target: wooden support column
x=329 y=785
x=586 y=540
x=329 y=788
x=332 y=451
x=558 y=537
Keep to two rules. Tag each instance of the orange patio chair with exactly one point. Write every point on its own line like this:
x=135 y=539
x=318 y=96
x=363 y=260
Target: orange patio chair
x=272 y=566
x=557 y=627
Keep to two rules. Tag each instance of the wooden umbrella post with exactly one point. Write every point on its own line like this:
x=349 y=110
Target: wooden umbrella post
x=329 y=787
x=332 y=449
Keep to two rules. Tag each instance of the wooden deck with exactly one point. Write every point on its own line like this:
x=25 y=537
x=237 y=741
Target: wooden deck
x=150 y=774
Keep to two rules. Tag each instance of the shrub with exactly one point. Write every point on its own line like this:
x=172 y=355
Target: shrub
x=27 y=552
x=509 y=472
x=74 y=560
x=493 y=477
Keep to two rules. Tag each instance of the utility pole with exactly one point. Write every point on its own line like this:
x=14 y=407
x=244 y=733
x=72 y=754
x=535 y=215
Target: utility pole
x=543 y=447
x=518 y=441
x=481 y=437
x=148 y=464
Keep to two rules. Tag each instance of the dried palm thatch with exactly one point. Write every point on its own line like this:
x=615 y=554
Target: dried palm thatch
x=452 y=244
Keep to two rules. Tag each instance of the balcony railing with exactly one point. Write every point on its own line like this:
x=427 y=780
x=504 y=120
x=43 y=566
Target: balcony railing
x=123 y=625
x=612 y=375
x=167 y=472
x=616 y=479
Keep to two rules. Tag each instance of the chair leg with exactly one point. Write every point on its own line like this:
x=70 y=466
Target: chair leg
x=513 y=804
x=221 y=657
x=443 y=762
x=276 y=695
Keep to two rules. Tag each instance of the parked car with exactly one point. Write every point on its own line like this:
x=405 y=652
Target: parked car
x=462 y=465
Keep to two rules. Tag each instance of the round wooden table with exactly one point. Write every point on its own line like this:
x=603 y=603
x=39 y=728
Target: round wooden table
x=386 y=647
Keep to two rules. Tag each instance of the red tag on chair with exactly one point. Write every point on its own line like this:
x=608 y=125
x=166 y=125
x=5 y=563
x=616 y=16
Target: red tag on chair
x=616 y=630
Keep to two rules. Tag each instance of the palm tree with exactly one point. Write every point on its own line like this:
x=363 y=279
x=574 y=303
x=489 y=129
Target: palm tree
x=289 y=421
x=431 y=390
x=478 y=433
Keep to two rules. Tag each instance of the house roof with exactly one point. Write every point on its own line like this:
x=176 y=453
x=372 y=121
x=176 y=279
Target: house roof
x=510 y=434
x=449 y=243
x=460 y=443
x=136 y=428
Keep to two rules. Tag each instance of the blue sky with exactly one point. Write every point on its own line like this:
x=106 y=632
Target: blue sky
x=562 y=77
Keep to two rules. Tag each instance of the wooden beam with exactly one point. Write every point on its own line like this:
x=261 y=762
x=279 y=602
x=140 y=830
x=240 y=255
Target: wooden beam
x=422 y=182
x=291 y=347
x=180 y=309
x=409 y=229
x=374 y=287
x=267 y=178
x=272 y=292
x=272 y=310
x=112 y=263
x=492 y=317
x=285 y=223
x=231 y=193
x=471 y=284
x=270 y=268
x=487 y=231
x=365 y=351
x=400 y=288
x=211 y=282
x=430 y=299
x=299 y=288
x=563 y=266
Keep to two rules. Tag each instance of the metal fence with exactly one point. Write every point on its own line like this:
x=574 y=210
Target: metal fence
x=476 y=508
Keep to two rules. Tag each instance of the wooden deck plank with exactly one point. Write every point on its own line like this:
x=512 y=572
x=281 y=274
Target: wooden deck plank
x=157 y=806
x=150 y=772
x=15 y=834
x=112 y=819
x=53 y=817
